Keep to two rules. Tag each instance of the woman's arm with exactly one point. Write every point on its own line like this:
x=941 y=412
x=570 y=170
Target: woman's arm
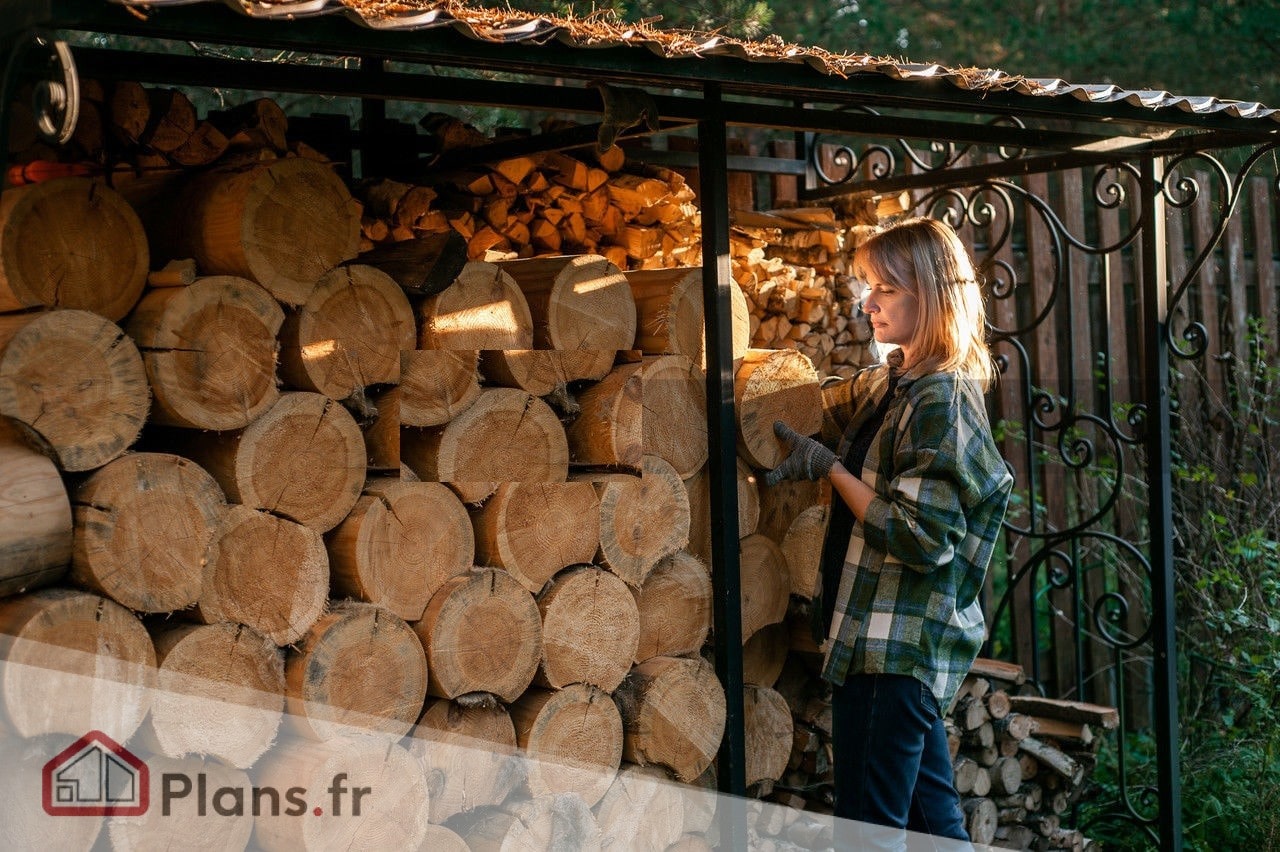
x=857 y=495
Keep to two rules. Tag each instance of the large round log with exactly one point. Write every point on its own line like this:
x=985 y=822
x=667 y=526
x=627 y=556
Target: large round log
x=781 y=503
x=482 y=633
x=673 y=712
x=482 y=309
x=642 y=519
x=441 y=839
x=23 y=823
x=210 y=351
x=399 y=544
x=359 y=669
x=768 y=731
x=70 y=243
x=35 y=515
x=267 y=572
x=540 y=371
x=303 y=459
x=766 y=587
x=609 y=429
x=213 y=821
x=349 y=333
x=802 y=547
x=73 y=662
x=220 y=693
x=590 y=629
x=283 y=224
x=505 y=436
x=765 y=654
x=469 y=752
x=436 y=385
x=577 y=302
x=77 y=380
x=675 y=412
x=674 y=606
x=642 y=810
x=534 y=529
x=699 y=489
x=390 y=813
x=144 y=527
x=572 y=739
x=552 y=821
x=774 y=384
x=670 y=316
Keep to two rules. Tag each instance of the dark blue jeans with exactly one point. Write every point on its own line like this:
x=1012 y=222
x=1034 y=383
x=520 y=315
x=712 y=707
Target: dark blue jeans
x=892 y=765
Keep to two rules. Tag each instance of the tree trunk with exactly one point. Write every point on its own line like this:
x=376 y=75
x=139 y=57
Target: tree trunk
x=642 y=810
x=670 y=317
x=802 y=547
x=482 y=633
x=609 y=430
x=266 y=572
x=220 y=693
x=482 y=309
x=766 y=588
x=348 y=335
x=769 y=730
x=505 y=436
x=303 y=459
x=399 y=544
x=534 y=529
x=572 y=739
x=577 y=302
x=244 y=221
x=674 y=605
x=590 y=629
x=359 y=669
x=765 y=654
x=436 y=385
x=77 y=380
x=698 y=487
x=673 y=711
x=675 y=412
x=76 y=662
x=469 y=753
x=642 y=519
x=210 y=352
x=35 y=516
x=145 y=525
x=980 y=820
x=70 y=243
x=774 y=384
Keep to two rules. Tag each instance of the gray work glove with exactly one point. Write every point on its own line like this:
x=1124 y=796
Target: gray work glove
x=808 y=458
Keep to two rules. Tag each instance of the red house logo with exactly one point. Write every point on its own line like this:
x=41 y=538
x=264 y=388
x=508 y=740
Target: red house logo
x=95 y=776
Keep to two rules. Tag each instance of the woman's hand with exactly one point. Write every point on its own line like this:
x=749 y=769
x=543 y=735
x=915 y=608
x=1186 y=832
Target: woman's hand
x=808 y=458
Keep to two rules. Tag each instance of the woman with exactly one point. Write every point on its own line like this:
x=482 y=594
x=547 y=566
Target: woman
x=922 y=495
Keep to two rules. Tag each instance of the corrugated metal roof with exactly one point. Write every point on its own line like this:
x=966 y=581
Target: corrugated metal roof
x=599 y=31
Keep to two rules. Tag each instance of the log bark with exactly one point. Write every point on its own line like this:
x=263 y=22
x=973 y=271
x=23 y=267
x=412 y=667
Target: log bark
x=190 y=822
x=802 y=547
x=1010 y=673
x=482 y=309
x=393 y=814
x=590 y=629
x=469 y=753
x=675 y=412
x=764 y=655
x=699 y=489
x=399 y=544
x=348 y=335
x=774 y=384
x=210 y=352
x=577 y=302
x=76 y=662
x=266 y=572
x=303 y=459
x=1057 y=760
x=642 y=810
x=642 y=519
x=572 y=739
x=244 y=221
x=144 y=526
x=769 y=729
x=423 y=266
x=609 y=429
x=70 y=243
x=437 y=385
x=35 y=515
x=674 y=606
x=77 y=380
x=482 y=633
x=359 y=669
x=670 y=319
x=1106 y=718
x=505 y=436
x=220 y=693
x=534 y=529
x=766 y=588
x=673 y=712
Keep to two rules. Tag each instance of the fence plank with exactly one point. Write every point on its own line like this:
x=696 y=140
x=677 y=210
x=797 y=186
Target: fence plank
x=1264 y=266
x=1237 y=295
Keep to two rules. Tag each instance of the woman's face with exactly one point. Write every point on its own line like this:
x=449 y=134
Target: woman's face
x=893 y=312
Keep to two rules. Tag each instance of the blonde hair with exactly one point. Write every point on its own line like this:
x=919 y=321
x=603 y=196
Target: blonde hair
x=925 y=257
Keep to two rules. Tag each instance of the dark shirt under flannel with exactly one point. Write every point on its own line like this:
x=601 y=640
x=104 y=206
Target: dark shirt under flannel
x=914 y=568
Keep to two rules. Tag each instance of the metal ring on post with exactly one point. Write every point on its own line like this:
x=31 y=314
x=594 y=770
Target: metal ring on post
x=56 y=102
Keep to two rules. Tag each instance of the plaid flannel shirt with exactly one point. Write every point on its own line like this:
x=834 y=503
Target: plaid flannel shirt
x=908 y=594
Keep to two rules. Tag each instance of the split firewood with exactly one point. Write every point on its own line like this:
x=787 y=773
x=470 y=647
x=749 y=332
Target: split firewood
x=1106 y=718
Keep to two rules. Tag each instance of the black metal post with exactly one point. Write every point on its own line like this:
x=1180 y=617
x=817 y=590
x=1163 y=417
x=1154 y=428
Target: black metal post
x=722 y=438
x=1155 y=310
